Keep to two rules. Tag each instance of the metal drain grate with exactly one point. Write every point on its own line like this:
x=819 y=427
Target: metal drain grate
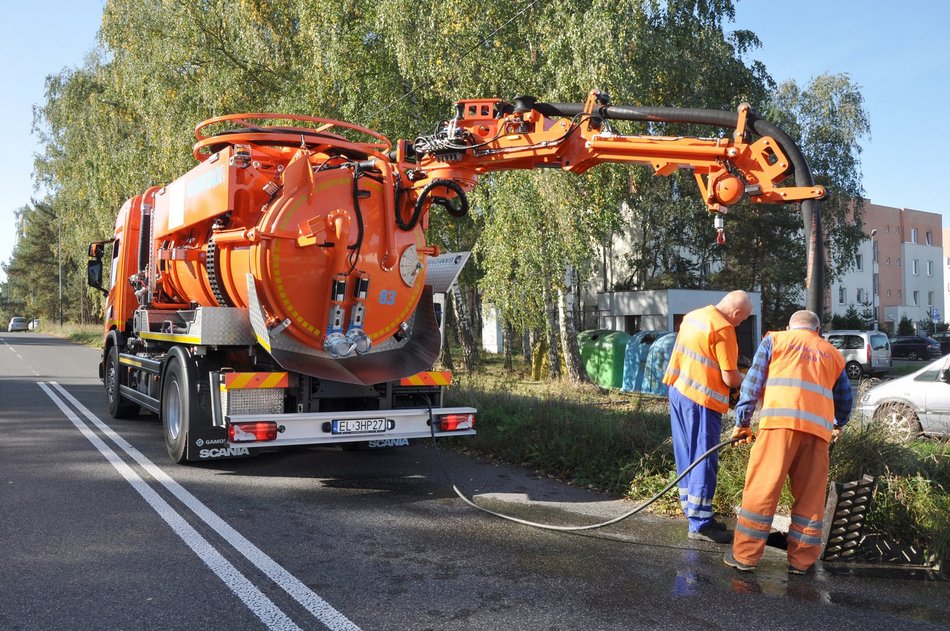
x=845 y=514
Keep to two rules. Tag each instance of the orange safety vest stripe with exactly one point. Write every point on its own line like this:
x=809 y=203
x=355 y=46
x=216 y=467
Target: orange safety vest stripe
x=799 y=391
x=705 y=345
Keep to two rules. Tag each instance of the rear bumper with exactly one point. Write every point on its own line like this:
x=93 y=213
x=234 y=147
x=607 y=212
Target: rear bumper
x=315 y=428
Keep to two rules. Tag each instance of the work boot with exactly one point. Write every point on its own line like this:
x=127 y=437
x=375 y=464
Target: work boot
x=711 y=534
x=797 y=571
x=730 y=560
x=718 y=525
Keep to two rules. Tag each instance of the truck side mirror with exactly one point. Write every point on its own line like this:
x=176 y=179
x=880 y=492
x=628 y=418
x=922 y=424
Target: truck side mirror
x=944 y=375
x=94 y=274
x=94 y=266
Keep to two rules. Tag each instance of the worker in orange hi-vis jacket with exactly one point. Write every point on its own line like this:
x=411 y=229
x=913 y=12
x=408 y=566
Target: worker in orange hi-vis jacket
x=806 y=400
x=702 y=369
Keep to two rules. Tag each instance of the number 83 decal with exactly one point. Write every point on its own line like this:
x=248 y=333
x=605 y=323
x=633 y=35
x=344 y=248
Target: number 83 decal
x=387 y=297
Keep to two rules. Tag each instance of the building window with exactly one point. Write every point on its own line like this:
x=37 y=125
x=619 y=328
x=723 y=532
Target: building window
x=930 y=298
x=929 y=238
x=888 y=293
x=916 y=298
x=889 y=260
x=859 y=262
x=914 y=268
x=913 y=235
x=842 y=294
x=899 y=293
x=930 y=268
x=897 y=230
x=898 y=261
x=859 y=297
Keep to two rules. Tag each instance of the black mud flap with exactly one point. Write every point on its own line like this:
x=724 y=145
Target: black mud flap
x=212 y=444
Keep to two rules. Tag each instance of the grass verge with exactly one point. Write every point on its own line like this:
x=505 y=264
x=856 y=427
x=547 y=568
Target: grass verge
x=85 y=334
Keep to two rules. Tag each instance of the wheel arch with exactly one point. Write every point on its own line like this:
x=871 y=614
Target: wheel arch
x=113 y=338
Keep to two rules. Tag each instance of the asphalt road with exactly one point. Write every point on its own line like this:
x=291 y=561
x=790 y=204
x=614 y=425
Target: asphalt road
x=100 y=531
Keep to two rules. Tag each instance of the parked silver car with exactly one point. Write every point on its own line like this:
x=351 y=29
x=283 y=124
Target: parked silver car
x=864 y=352
x=18 y=324
x=910 y=405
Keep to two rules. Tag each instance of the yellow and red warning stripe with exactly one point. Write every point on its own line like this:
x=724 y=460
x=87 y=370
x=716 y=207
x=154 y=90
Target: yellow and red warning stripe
x=252 y=380
x=428 y=378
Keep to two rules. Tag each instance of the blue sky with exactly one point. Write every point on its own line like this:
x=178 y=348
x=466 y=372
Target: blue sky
x=896 y=52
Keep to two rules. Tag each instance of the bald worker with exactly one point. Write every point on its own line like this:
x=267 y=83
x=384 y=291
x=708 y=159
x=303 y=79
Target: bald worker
x=806 y=398
x=702 y=369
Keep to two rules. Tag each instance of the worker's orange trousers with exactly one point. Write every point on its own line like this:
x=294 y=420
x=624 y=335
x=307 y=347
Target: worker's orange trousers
x=803 y=458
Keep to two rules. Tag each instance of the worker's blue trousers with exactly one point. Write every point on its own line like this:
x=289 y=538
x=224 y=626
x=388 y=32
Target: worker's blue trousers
x=695 y=430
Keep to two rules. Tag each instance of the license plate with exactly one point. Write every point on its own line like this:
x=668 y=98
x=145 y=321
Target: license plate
x=359 y=426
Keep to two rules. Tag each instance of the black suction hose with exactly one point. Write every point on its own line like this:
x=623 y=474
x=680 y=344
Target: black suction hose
x=535 y=524
x=811 y=212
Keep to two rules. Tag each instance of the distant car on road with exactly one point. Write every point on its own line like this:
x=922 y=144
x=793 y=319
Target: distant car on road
x=915 y=347
x=18 y=324
x=910 y=405
x=864 y=352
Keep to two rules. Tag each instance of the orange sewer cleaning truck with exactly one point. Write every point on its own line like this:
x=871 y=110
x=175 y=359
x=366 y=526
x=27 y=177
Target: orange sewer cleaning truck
x=282 y=292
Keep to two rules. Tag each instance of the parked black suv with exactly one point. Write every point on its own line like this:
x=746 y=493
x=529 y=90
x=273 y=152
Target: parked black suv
x=915 y=347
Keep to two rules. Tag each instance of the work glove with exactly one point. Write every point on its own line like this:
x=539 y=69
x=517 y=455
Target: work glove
x=745 y=433
x=835 y=433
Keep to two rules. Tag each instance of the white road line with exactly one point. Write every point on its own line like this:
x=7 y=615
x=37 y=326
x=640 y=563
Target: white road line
x=262 y=606
x=313 y=603
x=35 y=374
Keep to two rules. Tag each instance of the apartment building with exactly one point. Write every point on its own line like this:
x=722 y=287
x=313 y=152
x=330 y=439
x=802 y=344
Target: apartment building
x=899 y=270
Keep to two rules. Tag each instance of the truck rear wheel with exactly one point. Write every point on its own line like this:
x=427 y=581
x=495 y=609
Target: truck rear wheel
x=177 y=404
x=118 y=407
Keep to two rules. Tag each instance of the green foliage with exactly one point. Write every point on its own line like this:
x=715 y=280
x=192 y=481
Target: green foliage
x=906 y=326
x=545 y=431
x=850 y=320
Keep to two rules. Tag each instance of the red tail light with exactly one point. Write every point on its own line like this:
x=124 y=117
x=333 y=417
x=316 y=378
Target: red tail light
x=252 y=432
x=453 y=422
x=869 y=352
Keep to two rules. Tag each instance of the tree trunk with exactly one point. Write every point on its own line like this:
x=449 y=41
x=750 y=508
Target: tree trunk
x=445 y=355
x=466 y=336
x=572 y=355
x=526 y=347
x=551 y=329
x=508 y=332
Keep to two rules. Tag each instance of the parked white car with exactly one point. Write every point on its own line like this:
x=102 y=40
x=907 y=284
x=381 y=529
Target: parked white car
x=17 y=324
x=910 y=405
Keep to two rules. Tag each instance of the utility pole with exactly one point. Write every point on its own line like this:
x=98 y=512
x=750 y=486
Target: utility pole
x=60 y=257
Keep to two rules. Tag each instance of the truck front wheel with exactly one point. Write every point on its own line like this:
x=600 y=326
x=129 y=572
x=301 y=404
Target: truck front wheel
x=177 y=402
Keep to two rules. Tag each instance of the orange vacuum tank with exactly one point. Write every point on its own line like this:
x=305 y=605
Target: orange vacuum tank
x=307 y=224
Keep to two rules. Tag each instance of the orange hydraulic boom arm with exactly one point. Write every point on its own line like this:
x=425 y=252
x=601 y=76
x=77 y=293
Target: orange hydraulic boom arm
x=483 y=138
x=490 y=135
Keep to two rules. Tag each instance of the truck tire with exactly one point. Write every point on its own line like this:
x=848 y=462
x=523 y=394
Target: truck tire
x=178 y=402
x=118 y=407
